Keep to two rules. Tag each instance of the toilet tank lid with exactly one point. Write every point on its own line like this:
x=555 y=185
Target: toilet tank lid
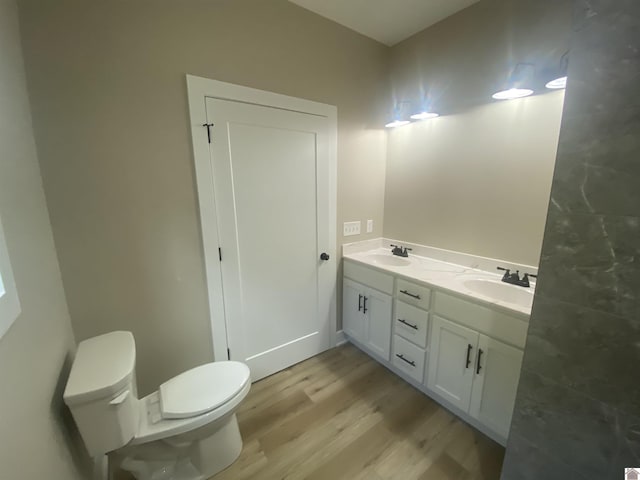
x=102 y=367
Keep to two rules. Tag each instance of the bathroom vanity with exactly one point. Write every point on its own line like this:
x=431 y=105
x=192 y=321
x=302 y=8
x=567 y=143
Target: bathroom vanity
x=453 y=330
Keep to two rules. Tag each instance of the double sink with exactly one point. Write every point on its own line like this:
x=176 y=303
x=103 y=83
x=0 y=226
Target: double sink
x=475 y=283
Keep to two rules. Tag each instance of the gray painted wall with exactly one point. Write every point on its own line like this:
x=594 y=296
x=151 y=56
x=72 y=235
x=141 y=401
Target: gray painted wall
x=577 y=414
x=108 y=92
x=38 y=439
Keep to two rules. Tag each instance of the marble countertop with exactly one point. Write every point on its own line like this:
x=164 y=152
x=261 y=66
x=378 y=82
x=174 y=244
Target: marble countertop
x=450 y=278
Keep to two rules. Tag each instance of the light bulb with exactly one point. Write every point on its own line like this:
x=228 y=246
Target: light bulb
x=512 y=93
x=557 y=83
x=396 y=123
x=424 y=115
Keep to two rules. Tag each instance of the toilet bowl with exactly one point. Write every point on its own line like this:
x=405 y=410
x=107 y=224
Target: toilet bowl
x=185 y=430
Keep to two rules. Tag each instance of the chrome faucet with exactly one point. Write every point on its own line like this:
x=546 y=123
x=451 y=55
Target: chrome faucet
x=514 y=278
x=400 y=251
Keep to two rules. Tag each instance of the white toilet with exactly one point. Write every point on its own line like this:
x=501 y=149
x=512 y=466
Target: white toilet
x=187 y=429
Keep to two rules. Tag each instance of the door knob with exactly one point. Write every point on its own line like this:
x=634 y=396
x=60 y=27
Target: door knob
x=324 y=256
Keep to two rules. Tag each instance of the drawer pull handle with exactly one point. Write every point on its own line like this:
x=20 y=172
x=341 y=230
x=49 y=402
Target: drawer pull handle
x=417 y=297
x=469 y=347
x=364 y=305
x=478 y=366
x=415 y=327
x=359 y=301
x=401 y=357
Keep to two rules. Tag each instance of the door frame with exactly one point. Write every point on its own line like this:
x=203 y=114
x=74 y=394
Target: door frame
x=198 y=90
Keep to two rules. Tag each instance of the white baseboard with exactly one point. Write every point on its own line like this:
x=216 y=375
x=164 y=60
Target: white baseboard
x=341 y=338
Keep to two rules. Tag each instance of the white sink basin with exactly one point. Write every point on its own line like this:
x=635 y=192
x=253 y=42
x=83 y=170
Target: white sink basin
x=388 y=260
x=501 y=291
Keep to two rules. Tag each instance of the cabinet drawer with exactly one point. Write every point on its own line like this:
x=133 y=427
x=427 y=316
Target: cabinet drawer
x=413 y=293
x=411 y=323
x=485 y=320
x=368 y=276
x=408 y=358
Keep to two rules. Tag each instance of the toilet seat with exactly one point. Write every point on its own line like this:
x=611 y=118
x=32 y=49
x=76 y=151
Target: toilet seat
x=201 y=389
x=154 y=425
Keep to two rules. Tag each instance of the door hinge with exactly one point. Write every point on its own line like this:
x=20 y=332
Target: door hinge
x=220 y=253
x=208 y=125
x=228 y=354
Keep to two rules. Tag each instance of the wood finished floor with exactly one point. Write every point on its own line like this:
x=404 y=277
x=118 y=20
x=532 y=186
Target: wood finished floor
x=341 y=415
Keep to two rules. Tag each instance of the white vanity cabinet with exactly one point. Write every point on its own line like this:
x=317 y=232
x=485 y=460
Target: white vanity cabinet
x=451 y=366
x=353 y=320
x=411 y=323
x=411 y=328
x=495 y=384
x=465 y=354
x=471 y=370
x=366 y=312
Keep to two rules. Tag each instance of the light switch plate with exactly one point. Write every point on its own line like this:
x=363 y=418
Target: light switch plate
x=369 y=226
x=351 y=228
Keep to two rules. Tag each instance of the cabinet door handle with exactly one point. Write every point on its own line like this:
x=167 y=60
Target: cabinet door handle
x=478 y=366
x=364 y=305
x=417 y=297
x=415 y=327
x=469 y=348
x=401 y=357
x=359 y=302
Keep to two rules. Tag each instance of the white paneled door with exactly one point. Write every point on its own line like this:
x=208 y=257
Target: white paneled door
x=270 y=171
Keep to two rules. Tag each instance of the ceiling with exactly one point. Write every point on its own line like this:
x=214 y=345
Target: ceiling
x=387 y=21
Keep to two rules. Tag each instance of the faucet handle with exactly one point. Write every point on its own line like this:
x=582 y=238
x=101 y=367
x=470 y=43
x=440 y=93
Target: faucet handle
x=525 y=280
x=507 y=273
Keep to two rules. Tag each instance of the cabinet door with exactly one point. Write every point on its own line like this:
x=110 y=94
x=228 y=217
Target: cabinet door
x=353 y=320
x=451 y=362
x=377 y=309
x=497 y=368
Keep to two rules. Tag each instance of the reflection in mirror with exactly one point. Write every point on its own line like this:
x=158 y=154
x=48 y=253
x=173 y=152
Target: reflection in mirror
x=477 y=178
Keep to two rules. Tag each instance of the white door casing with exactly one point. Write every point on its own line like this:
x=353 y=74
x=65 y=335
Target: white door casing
x=272 y=300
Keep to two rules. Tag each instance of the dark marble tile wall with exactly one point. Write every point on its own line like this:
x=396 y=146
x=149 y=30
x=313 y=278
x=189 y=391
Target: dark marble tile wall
x=577 y=413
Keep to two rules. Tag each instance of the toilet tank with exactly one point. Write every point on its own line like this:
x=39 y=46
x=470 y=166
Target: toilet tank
x=101 y=391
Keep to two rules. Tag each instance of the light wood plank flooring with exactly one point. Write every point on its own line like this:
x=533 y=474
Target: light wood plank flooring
x=341 y=415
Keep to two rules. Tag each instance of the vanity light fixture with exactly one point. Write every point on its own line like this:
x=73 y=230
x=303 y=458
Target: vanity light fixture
x=512 y=93
x=398 y=119
x=424 y=115
x=515 y=86
x=560 y=78
x=397 y=123
x=558 y=83
x=426 y=110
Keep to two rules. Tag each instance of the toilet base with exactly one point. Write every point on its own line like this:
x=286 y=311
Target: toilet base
x=209 y=449
x=216 y=452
